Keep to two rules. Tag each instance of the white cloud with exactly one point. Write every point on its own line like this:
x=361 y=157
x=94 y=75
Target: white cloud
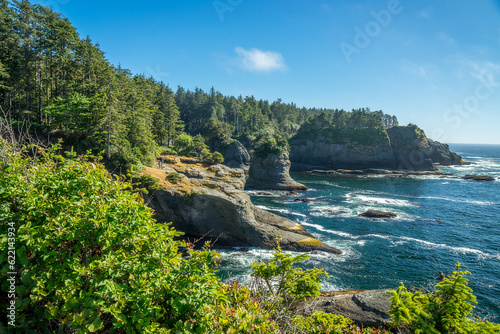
x=425 y=13
x=255 y=60
x=485 y=70
x=446 y=38
x=414 y=69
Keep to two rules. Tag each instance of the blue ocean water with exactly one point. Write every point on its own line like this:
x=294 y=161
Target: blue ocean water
x=441 y=220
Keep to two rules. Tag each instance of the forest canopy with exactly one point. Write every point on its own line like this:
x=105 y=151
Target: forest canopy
x=64 y=87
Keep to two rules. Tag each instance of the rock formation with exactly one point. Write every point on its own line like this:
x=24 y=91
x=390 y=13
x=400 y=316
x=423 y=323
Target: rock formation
x=272 y=171
x=209 y=202
x=399 y=147
x=364 y=308
x=338 y=149
x=235 y=154
x=478 y=178
x=377 y=214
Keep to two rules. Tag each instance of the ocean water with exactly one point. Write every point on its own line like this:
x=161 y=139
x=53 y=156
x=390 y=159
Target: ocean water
x=441 y=220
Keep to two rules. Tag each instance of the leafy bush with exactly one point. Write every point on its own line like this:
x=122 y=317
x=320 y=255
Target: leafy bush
x=320 y=322
x=195 y=146
x=174 y=177
x=144 y=182
x=90 y=257
x=270 y=145
x=285 y=282
x=446 y=310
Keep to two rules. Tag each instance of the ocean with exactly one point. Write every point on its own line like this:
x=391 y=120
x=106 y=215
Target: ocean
x=440 y=221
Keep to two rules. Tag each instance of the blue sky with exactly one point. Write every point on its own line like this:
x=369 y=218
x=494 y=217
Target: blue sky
x=433 y=63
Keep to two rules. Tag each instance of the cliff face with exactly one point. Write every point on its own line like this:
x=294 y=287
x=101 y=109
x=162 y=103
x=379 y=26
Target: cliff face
x=209 y=202
x=272 y=172
x=336 y=149
x=399 y=147
x=414 y=151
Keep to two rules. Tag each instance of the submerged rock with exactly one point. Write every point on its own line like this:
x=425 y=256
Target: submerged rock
x=213 y=206
x=377 y=214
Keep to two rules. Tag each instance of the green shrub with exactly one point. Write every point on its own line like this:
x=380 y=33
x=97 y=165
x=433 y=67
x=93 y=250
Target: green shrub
x=446 y=310
x=90 y=257
x=174 y=177
x=145 y=182
x=270 y=145
x=286 y=283
x=321 y=322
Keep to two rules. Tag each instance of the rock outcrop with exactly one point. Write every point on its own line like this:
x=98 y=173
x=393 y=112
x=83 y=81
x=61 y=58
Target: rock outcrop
x=209 y=202
x=414 y=151
x=399 y=147
x=364 y=308
x=272 y=172
x=440 y=153
x=235 y=154
x=478 y=178
x=377 y=214
x=339 y=149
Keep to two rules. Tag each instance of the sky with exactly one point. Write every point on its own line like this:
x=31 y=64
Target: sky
x=432 y=63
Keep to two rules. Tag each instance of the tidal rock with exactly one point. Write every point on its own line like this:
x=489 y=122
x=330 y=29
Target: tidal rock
x=213 y=206
x=272 y=171
x=377 y=214
x=305 y=200
x=478 y=178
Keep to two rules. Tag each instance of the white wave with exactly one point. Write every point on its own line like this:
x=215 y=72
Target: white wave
x=455 y=200
x=322 y=229
x=378 y=200
x=283 y=211
x=462 y=250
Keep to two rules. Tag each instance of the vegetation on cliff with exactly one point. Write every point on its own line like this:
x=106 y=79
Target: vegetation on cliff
x=360 y=127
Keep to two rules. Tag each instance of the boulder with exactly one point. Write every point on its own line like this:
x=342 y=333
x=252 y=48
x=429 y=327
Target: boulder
x=272 y=171
x=213 y=206
x=365 y=308
x=478 y=178
x=377 y=214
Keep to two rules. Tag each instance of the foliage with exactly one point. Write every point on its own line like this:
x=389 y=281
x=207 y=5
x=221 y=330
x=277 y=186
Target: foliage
x=145 y=182
x=89 y=255
x=269 y=145
x=174 y=177
x=195 y=146
x=320 y=323
x=356 y=128
x=446 y=310
x=286 y=283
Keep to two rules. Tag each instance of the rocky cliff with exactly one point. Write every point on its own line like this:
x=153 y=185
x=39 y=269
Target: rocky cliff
x=399 y=147
x=414 y=151
x=341 y=149
x=209 y=202
x=235 y=154
x=272 y=171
